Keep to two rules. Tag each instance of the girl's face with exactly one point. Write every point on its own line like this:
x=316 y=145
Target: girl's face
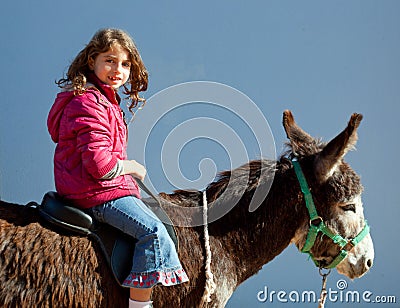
x=112 y=67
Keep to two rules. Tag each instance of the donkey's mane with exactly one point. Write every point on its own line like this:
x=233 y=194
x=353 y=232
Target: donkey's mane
x=251 y=174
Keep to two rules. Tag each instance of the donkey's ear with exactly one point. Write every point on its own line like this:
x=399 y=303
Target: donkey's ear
x=295 y=134
x=331 y=156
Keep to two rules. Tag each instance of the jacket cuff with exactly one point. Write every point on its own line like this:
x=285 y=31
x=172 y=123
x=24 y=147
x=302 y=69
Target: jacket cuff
x=115 y=172
x=107 y=168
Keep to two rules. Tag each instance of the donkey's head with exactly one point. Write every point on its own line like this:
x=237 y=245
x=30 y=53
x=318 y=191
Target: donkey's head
x=336 y=191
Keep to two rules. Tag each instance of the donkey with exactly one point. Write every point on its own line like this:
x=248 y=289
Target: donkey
x=43 y=268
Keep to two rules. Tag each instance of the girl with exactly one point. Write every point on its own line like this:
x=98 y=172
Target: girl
x=91 y=168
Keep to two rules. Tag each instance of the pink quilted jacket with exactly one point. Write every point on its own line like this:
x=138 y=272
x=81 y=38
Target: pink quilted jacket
x=91 y=136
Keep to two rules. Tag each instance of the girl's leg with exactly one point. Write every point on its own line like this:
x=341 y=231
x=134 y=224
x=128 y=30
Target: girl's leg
x=140 y=295
x=155 y=258
x=140 y=298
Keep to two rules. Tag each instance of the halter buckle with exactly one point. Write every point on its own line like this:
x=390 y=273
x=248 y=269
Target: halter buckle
x=316 y=221
x=349 y=246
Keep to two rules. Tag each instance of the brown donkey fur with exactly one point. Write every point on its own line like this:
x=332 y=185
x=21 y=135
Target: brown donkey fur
x=43 y=268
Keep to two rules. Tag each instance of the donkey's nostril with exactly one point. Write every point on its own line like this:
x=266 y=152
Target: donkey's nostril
x=369 y=263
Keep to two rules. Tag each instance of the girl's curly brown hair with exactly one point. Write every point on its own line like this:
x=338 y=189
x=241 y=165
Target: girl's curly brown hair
x=102 y=42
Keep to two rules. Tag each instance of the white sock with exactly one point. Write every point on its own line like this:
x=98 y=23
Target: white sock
x=135 y=304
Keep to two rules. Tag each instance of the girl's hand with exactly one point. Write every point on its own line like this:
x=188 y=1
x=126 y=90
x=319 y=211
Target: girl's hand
x=133 y=168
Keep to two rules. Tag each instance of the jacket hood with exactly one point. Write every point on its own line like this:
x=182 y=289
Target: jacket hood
x=63 y=98
x=56 y=111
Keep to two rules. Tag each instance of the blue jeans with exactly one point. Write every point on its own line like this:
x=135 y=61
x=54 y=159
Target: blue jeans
x=155 y=258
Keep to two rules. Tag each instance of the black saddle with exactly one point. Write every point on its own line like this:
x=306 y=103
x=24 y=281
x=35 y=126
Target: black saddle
x=117 y=247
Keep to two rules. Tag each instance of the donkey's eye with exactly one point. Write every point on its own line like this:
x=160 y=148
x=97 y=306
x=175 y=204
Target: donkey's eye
x=349 y=207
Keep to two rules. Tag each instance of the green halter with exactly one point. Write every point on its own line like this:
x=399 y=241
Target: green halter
x=317 y=225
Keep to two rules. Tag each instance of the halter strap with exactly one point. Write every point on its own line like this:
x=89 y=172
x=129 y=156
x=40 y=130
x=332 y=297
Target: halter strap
x=317 y=224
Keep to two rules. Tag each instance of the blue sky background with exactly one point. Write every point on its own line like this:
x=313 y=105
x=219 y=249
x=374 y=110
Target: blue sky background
x=323 y=60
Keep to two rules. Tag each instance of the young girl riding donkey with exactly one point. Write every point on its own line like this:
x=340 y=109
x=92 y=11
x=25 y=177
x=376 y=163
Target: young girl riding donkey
x=91 y=167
